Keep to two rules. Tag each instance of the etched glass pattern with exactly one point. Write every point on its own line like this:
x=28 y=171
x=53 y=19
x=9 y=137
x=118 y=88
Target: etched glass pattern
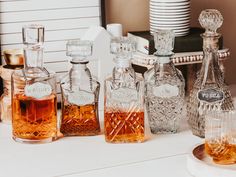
x=124 y=101
x=209 y=92
x=164 y=88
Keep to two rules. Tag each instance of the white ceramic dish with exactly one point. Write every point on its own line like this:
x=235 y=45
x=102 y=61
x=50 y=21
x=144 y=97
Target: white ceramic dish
x=199 y=164
x=176 y=30
x=169 y=0
x=171 y=10
x=154 y=16
x=169 y=7
x=185 y=26
x=172 y=22
x=174 y=14
x=164 y=4
x=160 y=19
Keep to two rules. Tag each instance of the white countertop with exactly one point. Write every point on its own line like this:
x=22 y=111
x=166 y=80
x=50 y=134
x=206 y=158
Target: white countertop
x=164 y=155
x=160 y=155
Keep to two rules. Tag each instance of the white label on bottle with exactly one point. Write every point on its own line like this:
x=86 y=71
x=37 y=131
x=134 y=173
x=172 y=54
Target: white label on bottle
x=81 y=98
x=124 y=95
x=166 y=91
x=38 y=90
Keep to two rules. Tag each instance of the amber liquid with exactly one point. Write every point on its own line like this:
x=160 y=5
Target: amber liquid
x=80 y=120
x=124 y=127
x=34 y=119
x=222 y=153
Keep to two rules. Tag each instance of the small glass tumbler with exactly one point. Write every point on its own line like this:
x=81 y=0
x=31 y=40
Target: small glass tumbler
x=220 y=136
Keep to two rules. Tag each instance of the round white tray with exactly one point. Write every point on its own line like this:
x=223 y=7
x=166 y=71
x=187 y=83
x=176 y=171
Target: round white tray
x=199 y=164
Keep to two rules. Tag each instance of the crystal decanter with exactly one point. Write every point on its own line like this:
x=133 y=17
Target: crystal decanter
x=164 y=87
x=80 y=92
x=34 y=103
x=209 y=93
x=124 y=97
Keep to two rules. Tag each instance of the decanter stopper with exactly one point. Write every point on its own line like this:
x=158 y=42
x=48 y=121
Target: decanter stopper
x=211 y=20
x=123 y=47
x=79 y=50
x=164 y=42
x=33 y=34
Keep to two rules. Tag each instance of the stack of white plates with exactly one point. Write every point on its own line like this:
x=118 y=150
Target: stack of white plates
x=170 y=14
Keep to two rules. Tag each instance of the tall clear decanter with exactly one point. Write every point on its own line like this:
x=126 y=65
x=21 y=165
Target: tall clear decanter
x=80 y=92
x=209 y=92
x=34 y=98
x=124 y=97
x=164 y=87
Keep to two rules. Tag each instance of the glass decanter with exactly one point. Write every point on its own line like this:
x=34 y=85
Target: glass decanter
x=164 y=87
x=14 y=59
x=34 y=99
x=209 y=92
x=80 y=92
x=124 y=97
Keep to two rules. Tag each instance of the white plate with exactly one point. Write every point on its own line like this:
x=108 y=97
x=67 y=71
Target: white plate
x=163 y=4
x=181 y=26
x=154 y=18
x=169 y=7
x=169 y=0
x=171 y=22
x=167 y=14
x=176 y=30
x=171 y=10
x=154 y=15
x=186 y=27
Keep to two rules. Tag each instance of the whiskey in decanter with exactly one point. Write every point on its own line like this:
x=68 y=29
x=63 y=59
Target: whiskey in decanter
x=80 y=92
x=124 y=97
x=164 y=87
x=34 y=103
x=209 y=93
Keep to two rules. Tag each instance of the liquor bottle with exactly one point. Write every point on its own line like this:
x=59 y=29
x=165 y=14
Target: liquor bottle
x=164 y=87
x=124 y=97
x=34 y=103
x=14 y=61
x=80 y=92
x=209 y=93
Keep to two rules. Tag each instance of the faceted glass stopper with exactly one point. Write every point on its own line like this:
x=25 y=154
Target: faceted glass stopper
x=79 y=50
x=123 y=46
x=164 y=42
x=211 y=20
x=33 y=34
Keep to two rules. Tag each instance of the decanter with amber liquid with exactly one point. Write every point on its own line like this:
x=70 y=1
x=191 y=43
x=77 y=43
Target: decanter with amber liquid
x=80 y=93
x=34 y=102
x=209 y=93
x=164 y=87
x=124 y=97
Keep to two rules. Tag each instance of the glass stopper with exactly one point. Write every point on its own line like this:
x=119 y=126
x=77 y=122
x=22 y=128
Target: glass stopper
x=211 y=20
x=79 y=50
x=123 y=47
x=164 y=42
x=33 y=34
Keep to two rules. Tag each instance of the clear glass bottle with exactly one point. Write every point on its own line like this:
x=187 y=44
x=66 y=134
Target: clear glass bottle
x=14 y=61
x=164 y=87
x=124 y=97
x=209 y=93
x=34 y=99
x=220 y=136
x=80 y=93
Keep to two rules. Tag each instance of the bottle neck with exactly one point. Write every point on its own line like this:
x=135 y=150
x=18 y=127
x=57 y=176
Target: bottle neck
x=122 y=63
x=80 y=74
x=210 y=66
x=33 y=56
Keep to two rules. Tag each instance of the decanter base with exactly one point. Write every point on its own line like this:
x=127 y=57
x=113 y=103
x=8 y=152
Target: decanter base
x=163 y=131
x=125 y=139
x=29 y=141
